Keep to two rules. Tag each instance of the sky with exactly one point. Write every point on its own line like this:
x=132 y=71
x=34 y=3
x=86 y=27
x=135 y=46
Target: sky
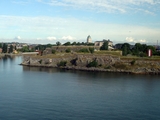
x=49 y=21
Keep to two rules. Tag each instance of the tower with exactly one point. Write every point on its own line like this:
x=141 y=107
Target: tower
x=89 y=40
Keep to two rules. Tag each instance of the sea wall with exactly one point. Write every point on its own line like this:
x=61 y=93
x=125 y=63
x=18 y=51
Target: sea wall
x=64 y=48
x=104 y=63
x=72 y=60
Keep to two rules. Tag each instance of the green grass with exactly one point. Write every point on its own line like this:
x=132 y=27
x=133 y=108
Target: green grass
x=116 y=53
x=153 y=58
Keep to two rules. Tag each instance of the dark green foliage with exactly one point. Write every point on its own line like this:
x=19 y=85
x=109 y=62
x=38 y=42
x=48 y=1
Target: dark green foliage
x=91 y=50
x=62 y=64
x=11 y=49
x=68 y=50
x=25 y=49
x=43 y=47
x=90 y=44
x=152 y=48
x=94 y=63
x=84 y=50
x=125 y=49
x=74 y=43
x=78 y=43
x=0 y=45
x=53 y=51
x=107 y=67
x=15 y=47
x=67 y=44
x=142 y=54
x=139 y=49
x=82 y=43
x=104 y=46
x=40 y=61
x=58 y=43
x=73 y=62
x=133 y=62
x=40 y=47
x=5 y=48
x=49 y=45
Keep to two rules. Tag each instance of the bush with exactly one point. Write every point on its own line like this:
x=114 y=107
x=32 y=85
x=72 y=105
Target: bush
x=107 y=67
x=143 y=54
x=62 y=64
x=40 y=61
x=84 y=50
x=91 y=50
x=53 y=51
x=68 y=50
x=133 y=62
x=73 y=62
x=94 y=63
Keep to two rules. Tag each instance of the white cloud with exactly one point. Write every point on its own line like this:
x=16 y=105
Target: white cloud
x=133 y=40
x=39 y=39
x=143 y=41
x=17 y=38
x=37 y=28
x=130 y=39
x=108 y=5
x=51 y=38
x=69 y=38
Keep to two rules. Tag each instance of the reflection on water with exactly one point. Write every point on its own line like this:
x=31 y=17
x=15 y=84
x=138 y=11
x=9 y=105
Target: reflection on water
x=50 y=93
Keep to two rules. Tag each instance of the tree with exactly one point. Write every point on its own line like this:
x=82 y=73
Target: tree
x=153 y=49
x=40 y=47
x=0 y=45
x=78 y=43
x=67 y=44
x=5 y=48
x=104 y=46
x=15 y=47
x=74 y=43
x=68 y=50
x=58 y=43
x=125 y=49
x=91 y=50
x=140 y=50
x=11 y=49
x=48 y=45
x=53 y=51
x=25 y=49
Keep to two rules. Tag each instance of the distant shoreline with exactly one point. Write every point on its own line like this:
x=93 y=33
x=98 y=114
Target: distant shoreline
x=9 y=55
x=107 y=63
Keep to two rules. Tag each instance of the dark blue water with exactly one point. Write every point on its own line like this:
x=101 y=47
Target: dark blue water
x=29 y=93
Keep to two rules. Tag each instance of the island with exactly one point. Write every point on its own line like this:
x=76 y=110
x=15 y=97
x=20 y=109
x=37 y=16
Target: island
x=95 y=62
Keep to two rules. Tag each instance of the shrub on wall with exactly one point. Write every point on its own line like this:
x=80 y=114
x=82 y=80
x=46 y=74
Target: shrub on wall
x=91 y=50
x=94 y=63
x=73 y=62
x=62 y=64
x=68 y=50
x=133 y=62
x=84 y=50
x=53 y=51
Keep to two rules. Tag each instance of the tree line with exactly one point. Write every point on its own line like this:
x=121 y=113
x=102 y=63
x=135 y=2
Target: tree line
x=138 y=49
x=5 y=48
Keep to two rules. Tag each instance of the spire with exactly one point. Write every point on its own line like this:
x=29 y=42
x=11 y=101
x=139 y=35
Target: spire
x=89 y=40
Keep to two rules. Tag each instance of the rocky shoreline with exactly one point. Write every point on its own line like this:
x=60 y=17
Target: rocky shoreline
x=93 y=69
x=105 y=64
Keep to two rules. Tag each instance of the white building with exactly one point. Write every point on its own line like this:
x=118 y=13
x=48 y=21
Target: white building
x=100 y=43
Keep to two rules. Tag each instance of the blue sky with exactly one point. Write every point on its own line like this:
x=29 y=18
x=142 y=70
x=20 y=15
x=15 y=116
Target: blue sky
x=49 y=21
